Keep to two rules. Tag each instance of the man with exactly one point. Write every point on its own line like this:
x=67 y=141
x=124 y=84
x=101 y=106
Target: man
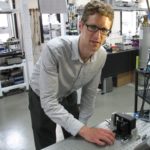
x=67 y=64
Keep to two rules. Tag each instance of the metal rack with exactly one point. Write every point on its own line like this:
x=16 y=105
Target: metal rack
x=21 y=85
x=143 y=93
x=12 y=49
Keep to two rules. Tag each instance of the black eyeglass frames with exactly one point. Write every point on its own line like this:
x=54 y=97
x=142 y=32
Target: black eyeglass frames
x=95 y=28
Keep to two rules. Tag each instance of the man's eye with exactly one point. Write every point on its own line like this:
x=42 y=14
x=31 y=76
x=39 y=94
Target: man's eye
x=93 y=27
x=104 y=30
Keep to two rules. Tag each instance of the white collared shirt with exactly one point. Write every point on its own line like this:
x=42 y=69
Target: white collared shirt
x=60 y=71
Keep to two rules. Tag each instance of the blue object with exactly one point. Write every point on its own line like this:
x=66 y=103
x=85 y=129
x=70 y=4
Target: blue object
x=2 y=48
x=149 y=16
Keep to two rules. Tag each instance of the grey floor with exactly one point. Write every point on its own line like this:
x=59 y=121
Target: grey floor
x=15 y=124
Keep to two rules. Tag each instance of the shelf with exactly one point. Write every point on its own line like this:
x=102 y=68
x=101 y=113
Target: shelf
x=12 y=53
x=140 y=94
x=8 y=11
x=128 y=8
x=16 y=41
x=12 y=48
x=117 y=8
x=25 y=84
x=143 y=72
x=8 y=88
x=11 y=66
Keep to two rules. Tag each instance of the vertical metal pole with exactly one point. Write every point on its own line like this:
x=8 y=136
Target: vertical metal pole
x=136 y=90
x=15 y=19
x=120 y=22
x=41 y=24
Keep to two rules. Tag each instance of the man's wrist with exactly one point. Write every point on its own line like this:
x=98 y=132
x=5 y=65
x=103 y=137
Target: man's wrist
x=83 y=130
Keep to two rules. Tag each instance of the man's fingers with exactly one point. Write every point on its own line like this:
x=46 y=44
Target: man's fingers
x=100 y=142
x=107 y=136
x=107 y=140
x=109 y=132
x=98 y=135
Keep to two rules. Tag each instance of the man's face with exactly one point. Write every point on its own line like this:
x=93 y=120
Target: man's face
x=94 y=32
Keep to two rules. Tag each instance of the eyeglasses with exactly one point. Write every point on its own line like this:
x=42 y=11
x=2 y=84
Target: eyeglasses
x=94 y=28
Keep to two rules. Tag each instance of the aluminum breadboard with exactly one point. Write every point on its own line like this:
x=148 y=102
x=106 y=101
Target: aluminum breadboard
x=143 y=132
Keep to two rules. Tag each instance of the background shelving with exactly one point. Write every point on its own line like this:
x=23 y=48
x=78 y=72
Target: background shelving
x=24 y=78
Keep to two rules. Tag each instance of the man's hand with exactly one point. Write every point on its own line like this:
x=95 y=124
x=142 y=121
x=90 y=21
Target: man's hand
x=99 y=136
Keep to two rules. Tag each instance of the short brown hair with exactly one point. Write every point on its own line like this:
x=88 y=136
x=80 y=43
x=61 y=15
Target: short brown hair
x=98 y=7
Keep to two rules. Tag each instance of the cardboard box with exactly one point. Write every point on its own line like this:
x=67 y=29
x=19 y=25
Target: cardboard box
x=125 y=78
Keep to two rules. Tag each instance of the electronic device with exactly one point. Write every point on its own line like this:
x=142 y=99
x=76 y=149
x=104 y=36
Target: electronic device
x=13 y=60
x=123 y=125
x=138 y=135
x=107 y=85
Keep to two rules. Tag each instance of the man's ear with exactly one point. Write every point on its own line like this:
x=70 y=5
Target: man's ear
x=81 y=24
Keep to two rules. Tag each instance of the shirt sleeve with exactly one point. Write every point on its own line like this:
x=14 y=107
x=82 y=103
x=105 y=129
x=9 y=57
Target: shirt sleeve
x=89 y=91
x=88 y=97
x=48 y=94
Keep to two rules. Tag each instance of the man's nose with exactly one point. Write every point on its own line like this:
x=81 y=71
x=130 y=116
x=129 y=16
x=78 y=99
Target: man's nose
x=98 y=34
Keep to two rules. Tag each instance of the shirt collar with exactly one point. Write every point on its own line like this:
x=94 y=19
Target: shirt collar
x=75 y=49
